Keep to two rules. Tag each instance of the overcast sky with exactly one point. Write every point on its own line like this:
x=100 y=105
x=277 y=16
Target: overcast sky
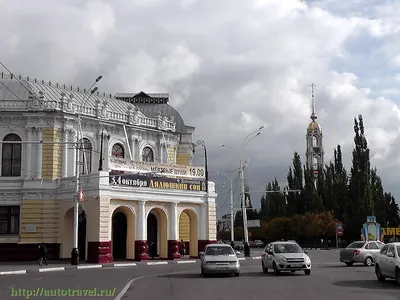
x=230 y=66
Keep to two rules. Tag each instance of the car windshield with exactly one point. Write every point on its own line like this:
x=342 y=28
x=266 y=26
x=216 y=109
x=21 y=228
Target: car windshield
x=216 y=251
x=287 y=248
x=356 y=245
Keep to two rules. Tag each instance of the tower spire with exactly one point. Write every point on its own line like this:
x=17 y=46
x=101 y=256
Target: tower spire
x=313 y=114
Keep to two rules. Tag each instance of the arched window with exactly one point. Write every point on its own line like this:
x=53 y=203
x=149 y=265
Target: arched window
x=85 y=157
x=118 y=151
x=11 y=156
x=147 y=154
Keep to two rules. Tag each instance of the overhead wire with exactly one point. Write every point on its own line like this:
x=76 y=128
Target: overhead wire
x=26 y=102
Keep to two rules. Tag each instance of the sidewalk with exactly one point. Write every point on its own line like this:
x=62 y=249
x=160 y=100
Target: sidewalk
x=15 y=268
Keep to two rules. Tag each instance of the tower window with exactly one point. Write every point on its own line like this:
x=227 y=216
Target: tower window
x=314 y=141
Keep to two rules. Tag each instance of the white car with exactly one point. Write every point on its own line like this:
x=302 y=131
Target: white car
x=219 y=259
x=387 y=263
x=285 y=256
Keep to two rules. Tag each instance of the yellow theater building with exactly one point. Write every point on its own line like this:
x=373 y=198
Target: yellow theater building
x=136 y=172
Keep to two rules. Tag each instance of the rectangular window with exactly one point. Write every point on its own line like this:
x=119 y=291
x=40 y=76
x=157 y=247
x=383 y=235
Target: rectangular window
x=9 y=219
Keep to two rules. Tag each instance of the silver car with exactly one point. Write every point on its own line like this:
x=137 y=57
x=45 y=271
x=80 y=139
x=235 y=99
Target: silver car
x=285 y=256
x=360 y=252
x=388 y=263
x=219 y=258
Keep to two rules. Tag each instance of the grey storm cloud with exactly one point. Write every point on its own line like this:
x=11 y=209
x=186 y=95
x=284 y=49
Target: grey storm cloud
x=229 y=66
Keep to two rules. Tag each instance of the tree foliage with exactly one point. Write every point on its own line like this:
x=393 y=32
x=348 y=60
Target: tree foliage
x=349 y=196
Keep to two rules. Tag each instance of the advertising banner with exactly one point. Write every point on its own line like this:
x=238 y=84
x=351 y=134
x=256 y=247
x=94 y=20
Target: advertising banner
x=192 y=172
x=153 y=182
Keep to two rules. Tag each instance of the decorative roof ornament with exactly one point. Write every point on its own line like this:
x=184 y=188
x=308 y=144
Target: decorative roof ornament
x=313 y=114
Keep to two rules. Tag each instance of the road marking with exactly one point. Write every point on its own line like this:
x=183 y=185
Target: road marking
x=89 y=267
x=125 y=265
x=241 y=258
x=40 y=278
x=129 y=283
x=51 y=269
x=186 y=262
x=154 y=263
x=257 y=257
x=13 y=272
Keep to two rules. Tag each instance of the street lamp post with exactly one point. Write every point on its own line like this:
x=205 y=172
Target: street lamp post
x=203 y=144
x=245 y=142
x=75 y=251
x=231 y=200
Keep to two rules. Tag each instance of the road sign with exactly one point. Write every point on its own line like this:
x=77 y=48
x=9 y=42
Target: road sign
x=339 y=229
x=81 y=195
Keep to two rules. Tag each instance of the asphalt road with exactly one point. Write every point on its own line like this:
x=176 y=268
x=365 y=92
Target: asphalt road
x=329 y=280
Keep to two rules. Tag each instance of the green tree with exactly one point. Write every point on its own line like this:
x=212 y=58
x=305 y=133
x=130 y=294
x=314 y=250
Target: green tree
x=393 y=219
x=358 y=204
x=295 y=182
x=275 y=203
x=311 y=201
x=339 y=192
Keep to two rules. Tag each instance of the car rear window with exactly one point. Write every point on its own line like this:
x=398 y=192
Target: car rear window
x=356 y=245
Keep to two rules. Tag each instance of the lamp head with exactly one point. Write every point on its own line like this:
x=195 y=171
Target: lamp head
x=99 y=78
x=221 y=145
x=262 y=127
x=94 y=90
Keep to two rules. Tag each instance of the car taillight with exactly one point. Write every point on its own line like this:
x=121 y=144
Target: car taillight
x=356 y=252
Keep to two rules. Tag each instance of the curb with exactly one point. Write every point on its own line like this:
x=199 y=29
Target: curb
x=116 y=265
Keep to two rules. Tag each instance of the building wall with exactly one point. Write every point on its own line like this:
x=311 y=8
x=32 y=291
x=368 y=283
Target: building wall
x=51 y=154
x=44 y=215
x=172 y=155
x=212 y=221
x=184 y=227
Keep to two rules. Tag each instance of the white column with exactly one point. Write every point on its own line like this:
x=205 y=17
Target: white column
x=71 y=153
x=39 y=155
x=203 y=221
x=65 y=154
x=133 y=148
x=173 y=228
x=29 y=172
x=141 y=232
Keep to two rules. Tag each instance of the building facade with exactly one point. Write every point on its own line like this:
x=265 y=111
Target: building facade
x=135 y=172
x=314 y=137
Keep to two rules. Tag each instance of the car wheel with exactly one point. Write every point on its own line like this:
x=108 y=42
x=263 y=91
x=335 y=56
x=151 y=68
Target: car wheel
x=349 y=264
x=398 y=276
x=307 y=272
x=264 y=269
x=237 y=274
x=276 y=271
x=368 y=261
x=379 y=274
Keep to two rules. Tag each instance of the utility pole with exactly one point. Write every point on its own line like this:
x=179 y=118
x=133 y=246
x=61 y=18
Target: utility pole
x=75 y=251
x=231 y=204
x=244 y=212
x=245 y=142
